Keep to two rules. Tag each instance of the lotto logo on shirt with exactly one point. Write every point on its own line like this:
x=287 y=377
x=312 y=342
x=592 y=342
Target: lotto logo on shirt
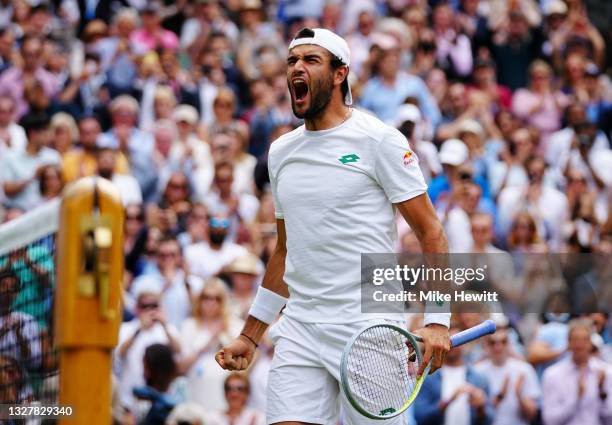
x=408 y=158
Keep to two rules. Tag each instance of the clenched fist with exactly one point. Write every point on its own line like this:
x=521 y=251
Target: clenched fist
x=236 y=356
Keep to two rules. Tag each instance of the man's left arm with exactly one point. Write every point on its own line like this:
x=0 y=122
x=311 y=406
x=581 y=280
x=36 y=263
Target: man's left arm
x=419 y=213
x=397 y=171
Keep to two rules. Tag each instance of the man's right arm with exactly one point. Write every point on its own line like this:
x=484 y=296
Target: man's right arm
x=239 y=354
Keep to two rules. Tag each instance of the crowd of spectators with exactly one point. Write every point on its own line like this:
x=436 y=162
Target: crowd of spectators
x=506 y=103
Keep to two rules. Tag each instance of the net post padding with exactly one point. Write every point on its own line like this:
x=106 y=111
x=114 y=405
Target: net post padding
x=88 y=296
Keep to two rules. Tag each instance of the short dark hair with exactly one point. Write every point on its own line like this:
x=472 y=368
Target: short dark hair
x=8 y=273
x=34 y=121
x=159 y=359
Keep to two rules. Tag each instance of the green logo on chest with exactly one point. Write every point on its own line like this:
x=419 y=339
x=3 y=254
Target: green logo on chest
x=351 y=157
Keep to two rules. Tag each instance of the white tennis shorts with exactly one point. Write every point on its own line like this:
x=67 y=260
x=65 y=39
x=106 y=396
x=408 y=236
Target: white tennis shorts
x=304 y=380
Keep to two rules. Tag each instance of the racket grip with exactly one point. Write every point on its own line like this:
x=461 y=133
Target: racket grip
x=485 y=328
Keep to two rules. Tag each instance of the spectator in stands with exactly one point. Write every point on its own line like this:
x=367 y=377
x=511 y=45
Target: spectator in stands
x=152 y=36
x=134 y=225
x=485 y=80
x=237 y=390
x=50 y=182
x=20 y=335
x=514 y=386
x=575 y=390
x=222 y=199
x=189 y=149
x=547 y=205
x=21 y=169
x=510 y=168
x=13 y=81
x=207 y=258
x=135 y=144
x=456 y=391
x=483 y=233
x=14 y=387
x=409 y=122
x=160 y=370
x=177 y=289
x=514 y=47
x=81 y=161
x=224 y=107
x=197 y=226
x=148 y=327
x=212 y=326
x=540 y=105
x=244 y=273
x=523 y=235
x=65 y=132
x=129 y=189
x=208 y=17
x=584 y=156
x=187 y=413
x=386 y=91
x=12 y=135
x=562 y=142
x=453 y=49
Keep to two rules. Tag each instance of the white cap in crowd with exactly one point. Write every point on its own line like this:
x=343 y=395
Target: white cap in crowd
x=454 y=152
x=555 y=7
x=407 y=112
x=186 y=113
x=471 y=126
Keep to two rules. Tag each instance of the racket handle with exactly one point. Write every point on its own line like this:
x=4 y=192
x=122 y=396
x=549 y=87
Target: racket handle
x=485 y=328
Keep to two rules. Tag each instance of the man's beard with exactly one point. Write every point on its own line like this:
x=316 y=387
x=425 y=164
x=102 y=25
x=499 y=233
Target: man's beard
x=320 y=95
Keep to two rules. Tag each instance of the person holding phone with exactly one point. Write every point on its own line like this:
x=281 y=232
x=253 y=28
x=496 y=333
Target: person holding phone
x=147 y=328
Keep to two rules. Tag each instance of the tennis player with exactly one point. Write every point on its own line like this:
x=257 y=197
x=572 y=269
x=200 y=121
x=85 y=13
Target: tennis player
x=336 y=182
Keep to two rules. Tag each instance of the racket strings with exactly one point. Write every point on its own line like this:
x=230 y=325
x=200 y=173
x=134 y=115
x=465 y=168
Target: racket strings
x=382 y=367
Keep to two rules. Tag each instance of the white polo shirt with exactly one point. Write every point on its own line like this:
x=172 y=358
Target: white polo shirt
x=335 y=190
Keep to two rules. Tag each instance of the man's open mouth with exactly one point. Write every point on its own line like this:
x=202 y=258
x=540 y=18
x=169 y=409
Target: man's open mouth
x=300 y=89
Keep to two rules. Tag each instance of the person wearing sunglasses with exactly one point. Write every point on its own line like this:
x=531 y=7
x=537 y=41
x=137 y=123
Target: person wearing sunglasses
x=237 y=391
x=513 y=382
x=172 y=281
x=149 y=327
x=213 y=324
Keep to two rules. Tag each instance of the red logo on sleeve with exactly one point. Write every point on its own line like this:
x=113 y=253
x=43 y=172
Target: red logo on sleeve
x=408 y=158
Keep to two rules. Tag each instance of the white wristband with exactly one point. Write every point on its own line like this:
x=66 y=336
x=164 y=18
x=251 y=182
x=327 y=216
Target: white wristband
x=437 y=318
x=266 y=305
x=437 y=314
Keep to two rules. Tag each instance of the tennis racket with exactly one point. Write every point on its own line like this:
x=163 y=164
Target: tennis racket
x=379 y=367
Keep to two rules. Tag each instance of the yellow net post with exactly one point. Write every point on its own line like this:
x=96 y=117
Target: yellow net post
x=88 y=297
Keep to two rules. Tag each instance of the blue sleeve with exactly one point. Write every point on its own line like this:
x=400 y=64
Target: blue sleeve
x=366 y=96
x=479 y=381
x=426 y=411
x=437 y=186
x=428 y=104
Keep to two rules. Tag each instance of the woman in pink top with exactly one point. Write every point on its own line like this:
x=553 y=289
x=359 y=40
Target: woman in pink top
x=541 y=105
x=152 y=36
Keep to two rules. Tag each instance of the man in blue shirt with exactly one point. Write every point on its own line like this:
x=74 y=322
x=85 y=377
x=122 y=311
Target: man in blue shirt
x=385 y=92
